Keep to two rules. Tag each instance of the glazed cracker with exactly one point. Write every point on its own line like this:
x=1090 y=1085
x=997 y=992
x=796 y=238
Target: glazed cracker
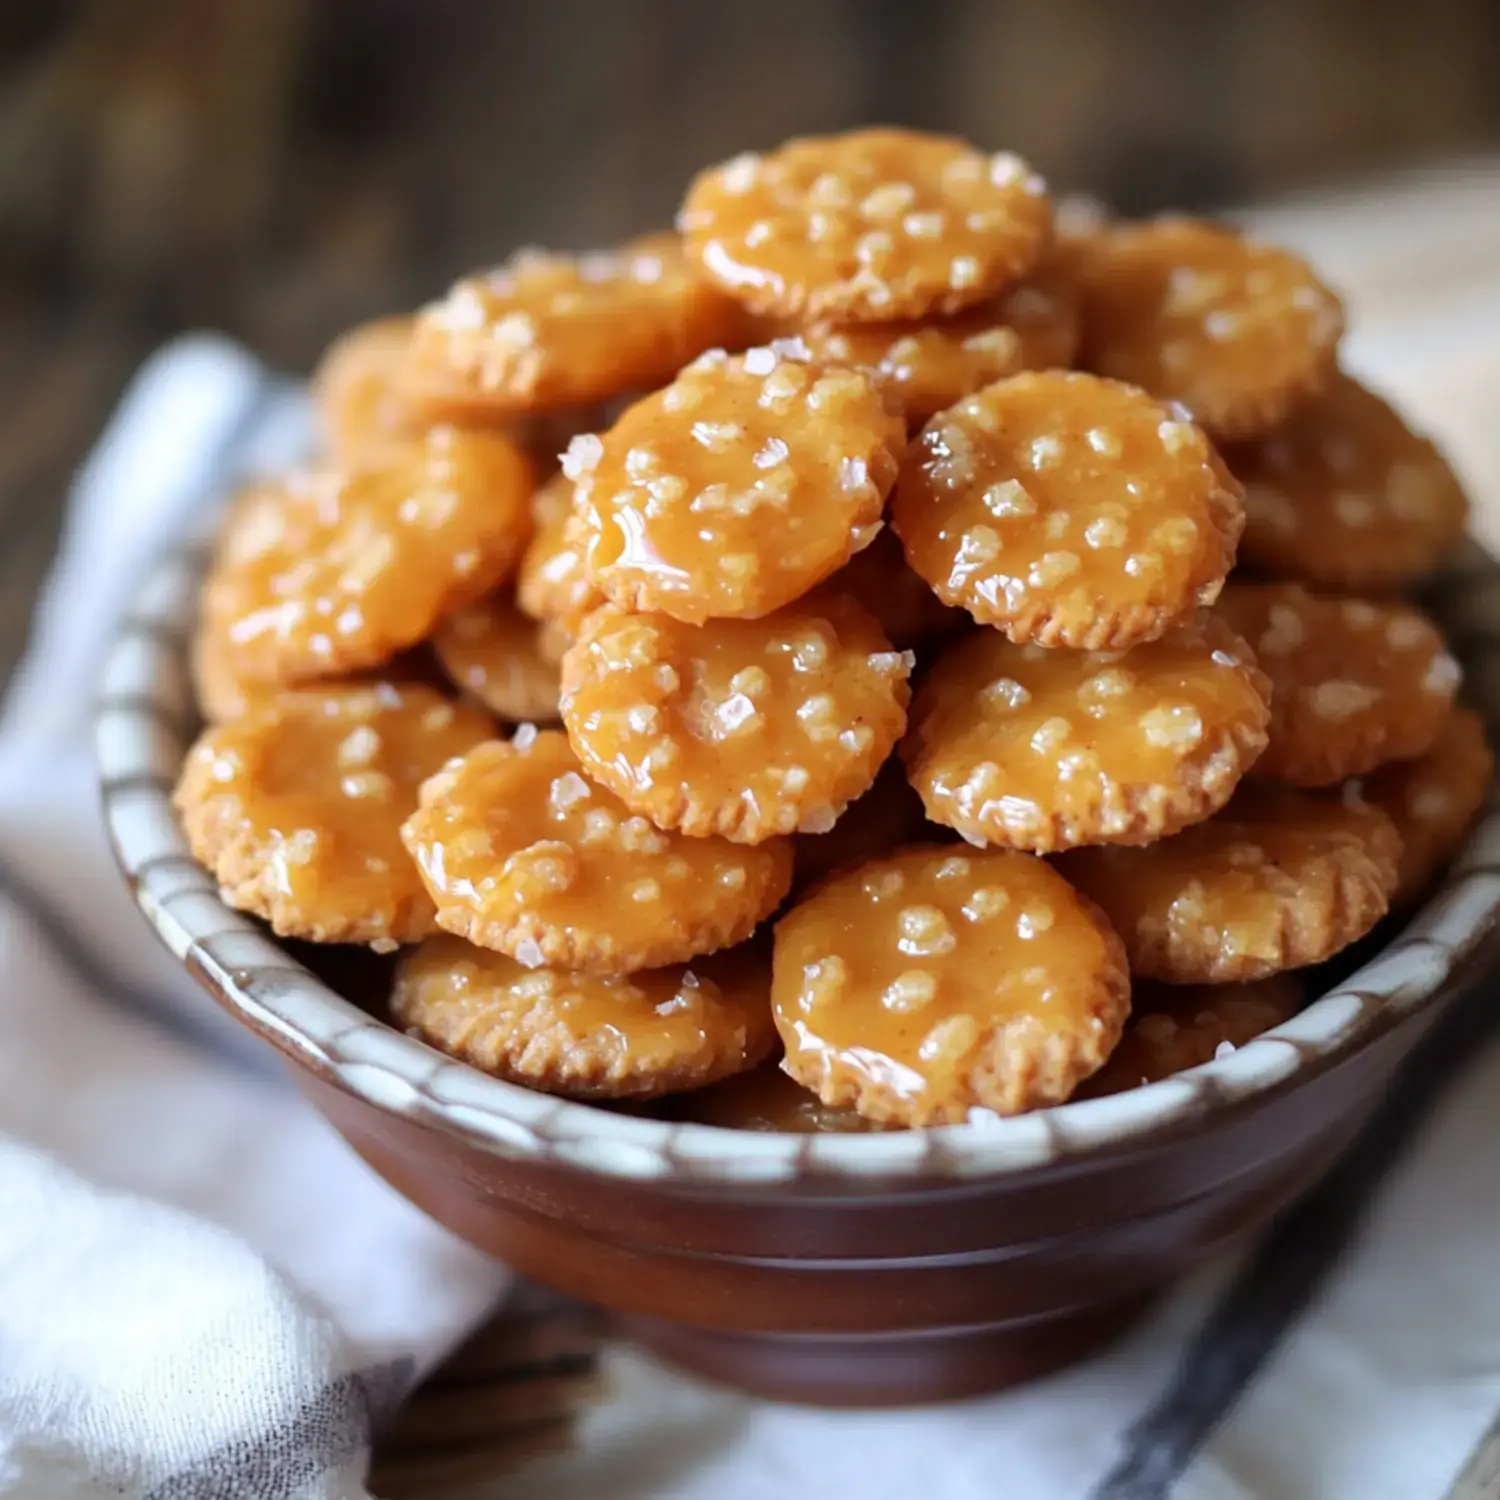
x=1067 y=510
x=1278 y=880
x=520 y=853
x=934 y=982
x=1045 y=750
x=743 y=728
x=875 y=224
x=589 y=1036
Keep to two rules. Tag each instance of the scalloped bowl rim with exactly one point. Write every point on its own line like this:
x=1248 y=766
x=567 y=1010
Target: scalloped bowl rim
x=143 y=724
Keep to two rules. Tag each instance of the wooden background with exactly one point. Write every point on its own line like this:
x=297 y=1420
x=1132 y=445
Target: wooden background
x=280 y=168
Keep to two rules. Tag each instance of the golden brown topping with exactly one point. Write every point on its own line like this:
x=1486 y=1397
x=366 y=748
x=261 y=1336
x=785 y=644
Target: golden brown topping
x=552 y=583
x=737 y=488
x=1353 y=683
x=496 y=653
x=766 y=1099
x=1278 y=880
x=297 y=807
x=935 y=982
x=1176 y=1027
x=1344 y=495
x=546 y=331
x=524 y=855
x=362 y=414
x=745 y=728
x=1045 y=749
x=1433 y=800
x=332 y=571
x=1195 y=312
x=875 y=224
x=927 y=365
x=589 y=1036
x=1069 y=511
x=885 y=819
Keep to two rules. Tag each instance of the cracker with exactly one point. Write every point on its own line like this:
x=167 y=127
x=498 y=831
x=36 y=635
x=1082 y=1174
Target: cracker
x=736 y=489
x=874 y=224
x=1045 y=750
x=296 y=807
x=934 y=983
x=523 y=855
x=499 y=656
x=1278 y=880
x=1345 y=496
x=361 y=412
x=880 y=577
x=1067 y=510
x=928 y=364
x=1354 y=683
x=334 y=570
x=886 y=818
x=743 y=728
x=1176 y=1027
x=589 y=1036
x=1195 y=312
x=545 y=331
x=1434 y=799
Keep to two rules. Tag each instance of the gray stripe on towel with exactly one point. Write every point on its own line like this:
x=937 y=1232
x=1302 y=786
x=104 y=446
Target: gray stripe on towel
x=1287 y=1272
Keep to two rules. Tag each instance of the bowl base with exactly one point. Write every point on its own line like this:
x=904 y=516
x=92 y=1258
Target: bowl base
x=893 y=1369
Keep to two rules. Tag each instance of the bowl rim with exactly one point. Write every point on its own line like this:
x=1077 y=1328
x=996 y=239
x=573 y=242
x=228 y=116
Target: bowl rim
x=144 y=721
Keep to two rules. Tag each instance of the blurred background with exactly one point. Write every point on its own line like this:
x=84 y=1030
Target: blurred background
x=282 y=168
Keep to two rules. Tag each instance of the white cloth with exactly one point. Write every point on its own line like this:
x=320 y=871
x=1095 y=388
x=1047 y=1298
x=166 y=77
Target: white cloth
x=200 y=1285
x=237 y=1341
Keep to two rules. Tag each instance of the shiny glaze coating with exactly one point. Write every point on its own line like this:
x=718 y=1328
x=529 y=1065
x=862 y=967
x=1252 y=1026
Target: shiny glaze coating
x=297 y=806
x=745 y=728
x=1043 y=750
x=745 y=482
x=551 y=582
x=874 y=224
x=936 y=982
x=1278 y=880
x=522 y=854
x=1068 y=510
x=589 y=1036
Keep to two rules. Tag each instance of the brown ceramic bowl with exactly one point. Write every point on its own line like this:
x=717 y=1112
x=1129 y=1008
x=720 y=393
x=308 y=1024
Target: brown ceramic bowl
x=836 y=1268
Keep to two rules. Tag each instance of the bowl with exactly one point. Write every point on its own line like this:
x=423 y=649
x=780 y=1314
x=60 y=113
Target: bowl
x=836 y=1269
